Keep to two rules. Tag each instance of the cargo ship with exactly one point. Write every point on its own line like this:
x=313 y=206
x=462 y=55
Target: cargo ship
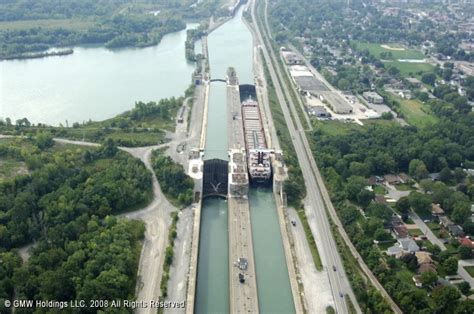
x=258 y=155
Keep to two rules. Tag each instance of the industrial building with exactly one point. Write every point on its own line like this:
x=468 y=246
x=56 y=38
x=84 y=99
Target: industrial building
x=373 y=97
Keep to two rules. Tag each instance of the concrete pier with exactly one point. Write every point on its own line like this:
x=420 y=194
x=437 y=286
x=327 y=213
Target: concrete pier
x=243 y=293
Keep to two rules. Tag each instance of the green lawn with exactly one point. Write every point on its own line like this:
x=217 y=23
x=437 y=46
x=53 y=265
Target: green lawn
x=384 y=246
x=410 y=68
x=379 y=190
x=376 y=49
x=415 y=232
x=404 y=187
x=470 y=270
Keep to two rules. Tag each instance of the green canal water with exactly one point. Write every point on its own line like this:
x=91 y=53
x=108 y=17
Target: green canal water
x=273 y=283
x=231 y=45
x=212 y=295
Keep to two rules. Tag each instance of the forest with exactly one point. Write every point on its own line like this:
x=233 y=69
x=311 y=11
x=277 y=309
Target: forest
x=63 y=209
x=174 y=182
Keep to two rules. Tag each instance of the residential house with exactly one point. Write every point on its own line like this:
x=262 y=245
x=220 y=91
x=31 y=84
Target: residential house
x=400 y=231
x=436 y=210
x=394 y=251
x=466 y=242
x=434 y=176
x=392 y=179
x=372 y=180
x=408 y=245
x=456 y=230
x=423 y=268
x=404 y=177
x=404 y=245
x=414 y=82
x=445 y=221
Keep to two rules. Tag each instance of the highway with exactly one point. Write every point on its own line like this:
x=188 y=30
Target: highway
x=317 y=195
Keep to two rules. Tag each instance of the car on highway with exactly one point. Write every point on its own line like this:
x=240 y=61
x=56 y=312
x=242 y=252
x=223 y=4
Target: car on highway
x=293 y=222
x=334 y=268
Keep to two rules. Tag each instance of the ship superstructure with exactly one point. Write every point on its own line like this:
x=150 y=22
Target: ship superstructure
x=258 y=154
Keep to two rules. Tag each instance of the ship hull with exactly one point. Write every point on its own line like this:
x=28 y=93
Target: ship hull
x=258 y=154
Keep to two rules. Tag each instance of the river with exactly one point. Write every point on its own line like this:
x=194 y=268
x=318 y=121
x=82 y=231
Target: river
x=94 y=82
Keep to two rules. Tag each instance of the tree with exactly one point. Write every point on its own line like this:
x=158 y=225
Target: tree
x=359 y=169
x=379 y=211
x=44 y=140
x=446 y=298
x=429 y=78
x=381 y=235
x=411 y=261
x=387 y=115
x=461 y=212
x=393 y=71
x=447 y=74
x=109 y=148
x=429 y=278
x=465 y=288
x=465 y=307
x=403 y=205
x=343 y=84
x=354 y=186
x=420 y=202
x=445 y=175
x=465 y=252
x=417 y=169
x=450 y=265
x=365 y=197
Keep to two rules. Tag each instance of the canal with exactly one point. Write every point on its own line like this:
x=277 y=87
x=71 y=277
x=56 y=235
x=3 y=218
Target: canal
x=231 y=45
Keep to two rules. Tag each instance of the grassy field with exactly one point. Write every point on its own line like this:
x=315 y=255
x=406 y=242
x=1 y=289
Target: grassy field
x=470 y=270
x=410 y=68
x=72 y=24
x=406 y=68
x=334 y=127
x=377 y=49
x=414 y=112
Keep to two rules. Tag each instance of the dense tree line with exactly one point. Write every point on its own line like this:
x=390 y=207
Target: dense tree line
x=117 y=31
x=64 y=206
x=174 y=182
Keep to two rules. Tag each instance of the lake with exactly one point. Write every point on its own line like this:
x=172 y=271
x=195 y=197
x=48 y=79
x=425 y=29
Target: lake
x=94 y=82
